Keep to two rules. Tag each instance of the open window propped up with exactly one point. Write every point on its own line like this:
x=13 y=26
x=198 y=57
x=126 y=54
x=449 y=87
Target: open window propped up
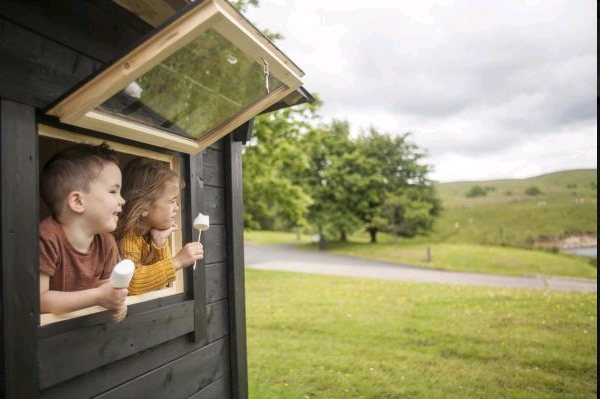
x=198 y=76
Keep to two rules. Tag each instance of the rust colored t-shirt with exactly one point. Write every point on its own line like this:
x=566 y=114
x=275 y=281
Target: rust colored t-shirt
x=69 y=269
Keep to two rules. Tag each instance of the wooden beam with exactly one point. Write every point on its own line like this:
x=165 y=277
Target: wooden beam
x=235 y=271
x=19 y=248
x=197 y=276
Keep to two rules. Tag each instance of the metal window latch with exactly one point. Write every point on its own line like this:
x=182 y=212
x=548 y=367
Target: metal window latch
x=266 y=71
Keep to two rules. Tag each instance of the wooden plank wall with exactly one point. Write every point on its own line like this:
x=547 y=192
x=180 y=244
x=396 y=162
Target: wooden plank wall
x=90 y=357
x=19 y=255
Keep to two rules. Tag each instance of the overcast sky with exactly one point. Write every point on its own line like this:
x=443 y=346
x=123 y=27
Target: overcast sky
x=491 y=89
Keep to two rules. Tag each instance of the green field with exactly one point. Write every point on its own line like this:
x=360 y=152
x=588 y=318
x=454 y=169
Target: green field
x=312 y=336
x=506 y=215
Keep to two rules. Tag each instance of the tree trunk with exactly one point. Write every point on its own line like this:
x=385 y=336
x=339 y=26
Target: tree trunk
x=343 y=237
x=322 y=242
x=373 y=233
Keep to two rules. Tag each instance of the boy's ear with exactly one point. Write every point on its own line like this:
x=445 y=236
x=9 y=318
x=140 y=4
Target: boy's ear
x=75 y=202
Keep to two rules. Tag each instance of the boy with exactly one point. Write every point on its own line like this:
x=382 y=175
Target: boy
x=81 y=185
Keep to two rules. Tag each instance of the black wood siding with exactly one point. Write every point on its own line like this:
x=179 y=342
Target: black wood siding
x=156 y=352
x=19 y=255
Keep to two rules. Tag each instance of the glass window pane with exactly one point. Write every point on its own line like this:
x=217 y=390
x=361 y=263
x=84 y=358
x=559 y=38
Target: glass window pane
x=194 y=90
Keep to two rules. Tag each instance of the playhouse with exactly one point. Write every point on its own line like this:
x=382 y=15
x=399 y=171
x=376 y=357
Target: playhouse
x=174 y=80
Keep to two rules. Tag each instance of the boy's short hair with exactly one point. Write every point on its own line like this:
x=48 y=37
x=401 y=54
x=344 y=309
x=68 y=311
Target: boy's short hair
x=73 y=169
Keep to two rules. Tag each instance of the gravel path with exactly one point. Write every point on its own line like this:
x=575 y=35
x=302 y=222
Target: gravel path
x=285 y=257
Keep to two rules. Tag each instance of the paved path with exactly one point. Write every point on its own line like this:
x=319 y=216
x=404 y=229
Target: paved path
x=285 y=257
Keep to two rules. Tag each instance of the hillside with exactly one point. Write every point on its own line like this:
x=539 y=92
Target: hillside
x=570 y=183
x=566 y=206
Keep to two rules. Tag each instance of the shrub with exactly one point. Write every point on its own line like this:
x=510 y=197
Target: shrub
x=476 y=191
x=533 y=190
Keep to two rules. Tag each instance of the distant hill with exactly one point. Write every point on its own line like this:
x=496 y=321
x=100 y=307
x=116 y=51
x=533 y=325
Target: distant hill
x=581 y=182
x=564 y=203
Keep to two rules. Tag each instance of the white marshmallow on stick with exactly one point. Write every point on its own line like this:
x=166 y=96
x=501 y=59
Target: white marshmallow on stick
x=122 y=274
x=201 y=222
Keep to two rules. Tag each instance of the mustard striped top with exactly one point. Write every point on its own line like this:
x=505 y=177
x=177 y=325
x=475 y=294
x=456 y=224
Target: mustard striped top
x=153 y=276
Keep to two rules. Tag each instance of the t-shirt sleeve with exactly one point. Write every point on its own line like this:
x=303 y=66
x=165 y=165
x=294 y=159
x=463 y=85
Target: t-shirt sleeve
x=112 y=256
x=49 y=252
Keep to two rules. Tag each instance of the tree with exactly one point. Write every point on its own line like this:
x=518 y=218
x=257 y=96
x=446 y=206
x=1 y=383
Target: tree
x=328 y=148
x=402 y=177
x=273 y=164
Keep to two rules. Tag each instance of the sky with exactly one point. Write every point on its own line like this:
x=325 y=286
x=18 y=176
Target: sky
x=490 y=89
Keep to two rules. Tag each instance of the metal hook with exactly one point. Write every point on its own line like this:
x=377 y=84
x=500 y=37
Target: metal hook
x=266 y=72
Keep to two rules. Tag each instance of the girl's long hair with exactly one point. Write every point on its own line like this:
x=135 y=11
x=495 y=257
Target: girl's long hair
x=144 y=181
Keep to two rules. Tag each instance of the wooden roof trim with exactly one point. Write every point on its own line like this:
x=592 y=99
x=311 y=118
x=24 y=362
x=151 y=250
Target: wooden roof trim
x=153 y=12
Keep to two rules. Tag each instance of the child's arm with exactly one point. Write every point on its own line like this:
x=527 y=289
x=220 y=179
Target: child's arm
x=187 y=255
x=52 y=301
x=151 y=276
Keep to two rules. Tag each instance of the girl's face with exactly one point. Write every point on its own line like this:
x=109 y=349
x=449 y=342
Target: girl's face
x=161 y=213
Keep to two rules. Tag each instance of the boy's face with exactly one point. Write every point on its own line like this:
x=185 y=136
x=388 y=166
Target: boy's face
x=162 y=212
x=103 y=202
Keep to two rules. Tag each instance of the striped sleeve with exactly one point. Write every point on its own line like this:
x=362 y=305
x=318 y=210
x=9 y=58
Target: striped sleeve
x=150 y=277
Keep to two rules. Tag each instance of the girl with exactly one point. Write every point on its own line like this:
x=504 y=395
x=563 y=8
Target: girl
x=150 y=189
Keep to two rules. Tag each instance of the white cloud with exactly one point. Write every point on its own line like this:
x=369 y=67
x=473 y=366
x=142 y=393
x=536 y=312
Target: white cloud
x=489 y=89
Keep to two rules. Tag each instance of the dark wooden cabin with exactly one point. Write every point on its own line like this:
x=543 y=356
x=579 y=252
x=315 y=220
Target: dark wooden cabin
x=133 y=74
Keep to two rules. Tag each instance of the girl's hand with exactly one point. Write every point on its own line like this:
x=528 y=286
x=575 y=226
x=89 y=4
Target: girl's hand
x=190 y=253
x=159 y=237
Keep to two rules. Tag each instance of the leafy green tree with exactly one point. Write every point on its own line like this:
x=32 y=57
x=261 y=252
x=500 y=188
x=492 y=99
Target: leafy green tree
x=273 y=164
x=401 y=176
x=329 y=149
x=405 y=214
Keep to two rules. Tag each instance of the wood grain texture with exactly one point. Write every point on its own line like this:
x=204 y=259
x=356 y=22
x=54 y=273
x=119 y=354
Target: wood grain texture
x=35 y=70
x=75 y=352
x=19 y=254
x=100 y=30
x=180 y=378
x=119 y=372
x=235 y=270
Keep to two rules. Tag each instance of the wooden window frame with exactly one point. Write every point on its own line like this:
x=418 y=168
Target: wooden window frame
x=78 y=108
x=178 y=285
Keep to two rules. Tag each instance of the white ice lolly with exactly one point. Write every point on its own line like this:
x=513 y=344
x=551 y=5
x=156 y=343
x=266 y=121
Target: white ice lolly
x=122 y=274
x=201 y=222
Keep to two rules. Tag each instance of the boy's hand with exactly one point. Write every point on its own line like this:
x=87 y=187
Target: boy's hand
x=159 y=237
x=112 y=298
x=191 y=252
x=119 y=314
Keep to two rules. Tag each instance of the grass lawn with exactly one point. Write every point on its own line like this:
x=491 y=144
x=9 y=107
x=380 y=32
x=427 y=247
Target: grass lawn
x=264 y=237
x=329 y=337
x=475 y=258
